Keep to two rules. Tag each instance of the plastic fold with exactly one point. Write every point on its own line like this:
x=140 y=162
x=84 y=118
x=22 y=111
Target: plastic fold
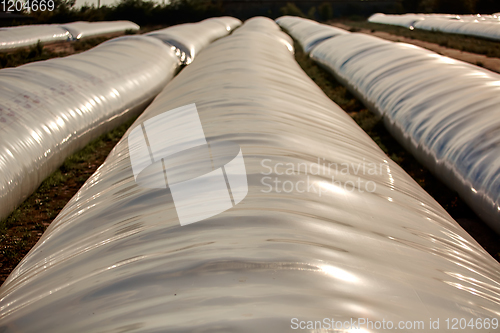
x=190 y=38
x=116 y=258
x=307 y=32
x=80 y=29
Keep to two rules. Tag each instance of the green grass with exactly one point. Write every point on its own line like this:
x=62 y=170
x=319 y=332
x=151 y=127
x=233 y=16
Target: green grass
x=24 y=56
x=40 y=52
x=454 y=41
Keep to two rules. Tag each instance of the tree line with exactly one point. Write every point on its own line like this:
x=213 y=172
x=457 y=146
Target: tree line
x=148 y=13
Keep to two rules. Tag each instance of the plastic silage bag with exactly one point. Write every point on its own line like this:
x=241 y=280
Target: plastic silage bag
x=489 y=29
x=16 y=37
x=190 y=38
x=444 y=111
x=52 y=108
x=407 y=20
x=329 y=229
x=307 y=32
x=82 y=29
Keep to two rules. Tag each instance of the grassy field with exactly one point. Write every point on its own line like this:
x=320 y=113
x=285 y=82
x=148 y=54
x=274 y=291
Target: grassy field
x=453 y=41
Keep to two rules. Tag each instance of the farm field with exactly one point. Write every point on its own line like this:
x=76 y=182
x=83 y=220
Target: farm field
x=21 y=230
x=242 y=173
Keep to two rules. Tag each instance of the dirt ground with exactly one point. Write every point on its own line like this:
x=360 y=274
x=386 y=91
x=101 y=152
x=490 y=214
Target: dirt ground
x=493 y=64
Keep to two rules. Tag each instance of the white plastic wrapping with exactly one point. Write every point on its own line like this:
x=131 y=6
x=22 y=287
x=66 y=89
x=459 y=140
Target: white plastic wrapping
x=22 y=36
x=52 y=108
x=16 y=37
x=407 y=20
x=117 y=259
x=267 y=26
x=480 y=28
x=229 y=22
x=287 y=22
x=477 y=18
x=446 y=112
x=485 y=26
x=307 y=32
x=188 y=39
x=82 y=29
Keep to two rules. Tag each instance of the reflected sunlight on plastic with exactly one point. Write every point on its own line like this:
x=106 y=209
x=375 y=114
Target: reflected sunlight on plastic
x=22 y=36
x=308 y=32
x=116 y=258
x=39 y=100
x=333 y=188
x=485 y=26
x=444 y=111
x=160 y=150
x=188 y=39
x=339 y=273
x=15 y=37
x=88 y=29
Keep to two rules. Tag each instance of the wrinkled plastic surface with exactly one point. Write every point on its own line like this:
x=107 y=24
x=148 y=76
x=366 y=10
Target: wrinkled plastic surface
x=307 y=32
x=481 y=28
x=52 y=108
x=16 y=37
x=116 y=258
x=82 y=29
x=485 y=26
x=190 y=38
x=446 y=112
x=407 y=20
x=269 y=27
